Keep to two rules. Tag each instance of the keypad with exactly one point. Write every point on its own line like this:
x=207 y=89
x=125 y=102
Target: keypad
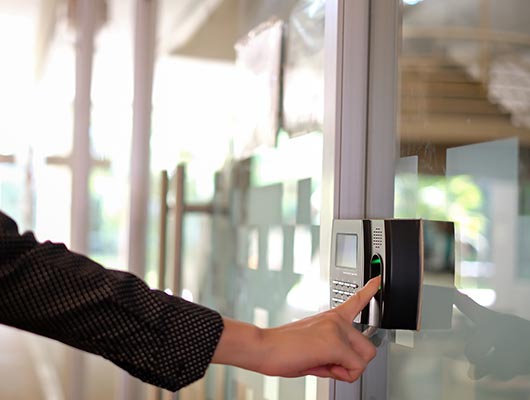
x=341 y=291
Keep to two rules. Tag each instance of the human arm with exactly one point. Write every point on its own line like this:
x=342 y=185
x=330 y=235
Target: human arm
x=48 y=290
x=325 y=345
x=161 y=339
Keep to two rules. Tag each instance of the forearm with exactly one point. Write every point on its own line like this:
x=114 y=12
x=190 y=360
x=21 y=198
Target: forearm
x=48 y=290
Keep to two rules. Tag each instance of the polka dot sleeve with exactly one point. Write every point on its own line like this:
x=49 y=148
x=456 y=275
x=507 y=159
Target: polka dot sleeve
x=49 y=290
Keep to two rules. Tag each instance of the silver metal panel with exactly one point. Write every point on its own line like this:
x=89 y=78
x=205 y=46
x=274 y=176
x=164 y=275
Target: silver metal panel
x=343 y=171
x=385 y=25
x=382 y=108
x=354 y=109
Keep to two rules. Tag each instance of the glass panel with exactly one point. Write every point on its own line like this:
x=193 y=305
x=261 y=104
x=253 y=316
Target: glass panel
x=464 y=146
x=258 y=261
x=256 y=256
x=53 y=206
x=11 y=191
x=36 y=92
x=107 y=216
x=110 y=136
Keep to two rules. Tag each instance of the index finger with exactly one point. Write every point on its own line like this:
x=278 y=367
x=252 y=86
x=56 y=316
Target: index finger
x=474 y=311
x=355 y=304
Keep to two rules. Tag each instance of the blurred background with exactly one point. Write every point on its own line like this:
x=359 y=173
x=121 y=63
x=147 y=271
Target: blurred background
x=182 y=140
x=121 y=134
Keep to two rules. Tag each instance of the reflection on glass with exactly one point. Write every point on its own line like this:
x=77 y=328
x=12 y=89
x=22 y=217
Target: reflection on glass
x=275 y=253
x=256 y=256
x=107 y=218
x=271 y=387
x=258 y=63
x=261 y=317
x=464 y=157
x=289 y=200
x=253 y=249
x=264 y=265
x=242 y=246
x=310 y=388
x=303 y=81
x=54 y=223
x=11 y=191
x=302 y=249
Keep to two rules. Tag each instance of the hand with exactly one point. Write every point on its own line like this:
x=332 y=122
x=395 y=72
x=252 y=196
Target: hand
x=325 y=345
x=498 y=347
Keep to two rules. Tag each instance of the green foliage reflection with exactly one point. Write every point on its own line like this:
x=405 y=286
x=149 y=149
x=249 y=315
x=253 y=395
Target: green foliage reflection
x=456 y=198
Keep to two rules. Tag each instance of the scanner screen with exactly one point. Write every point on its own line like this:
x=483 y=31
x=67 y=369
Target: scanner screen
x=346 y=252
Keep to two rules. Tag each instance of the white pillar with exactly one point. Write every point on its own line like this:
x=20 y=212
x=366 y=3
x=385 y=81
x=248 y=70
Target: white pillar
x=85 y=16
x=80 y=159
x=144 y=57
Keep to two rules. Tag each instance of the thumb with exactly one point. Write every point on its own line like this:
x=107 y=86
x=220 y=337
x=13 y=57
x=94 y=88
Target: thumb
x=355 y=304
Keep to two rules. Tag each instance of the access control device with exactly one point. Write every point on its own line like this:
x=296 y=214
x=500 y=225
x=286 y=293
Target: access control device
x=401 y=251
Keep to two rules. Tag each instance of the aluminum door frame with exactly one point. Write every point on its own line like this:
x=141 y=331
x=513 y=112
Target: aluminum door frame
x=382 y=149
x=345 y=132
x=360 y=141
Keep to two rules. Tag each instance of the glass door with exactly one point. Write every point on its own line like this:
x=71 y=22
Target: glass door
x=463 y=156
x=251 y=243
x=257 y=237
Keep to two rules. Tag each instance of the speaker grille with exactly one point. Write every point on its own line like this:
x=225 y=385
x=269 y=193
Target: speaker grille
x=377 y=238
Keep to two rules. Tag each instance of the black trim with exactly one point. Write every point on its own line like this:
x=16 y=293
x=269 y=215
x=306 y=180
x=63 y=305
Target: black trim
x=402 y=274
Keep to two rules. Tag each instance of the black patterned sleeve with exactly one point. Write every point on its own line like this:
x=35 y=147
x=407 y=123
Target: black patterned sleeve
x=49 y=290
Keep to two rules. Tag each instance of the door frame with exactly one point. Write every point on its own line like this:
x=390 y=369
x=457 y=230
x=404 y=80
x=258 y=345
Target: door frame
x=345 y=132
x=360 y=138
x=382 y=150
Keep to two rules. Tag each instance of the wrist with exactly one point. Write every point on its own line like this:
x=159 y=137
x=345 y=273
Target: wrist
x=241 y=345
